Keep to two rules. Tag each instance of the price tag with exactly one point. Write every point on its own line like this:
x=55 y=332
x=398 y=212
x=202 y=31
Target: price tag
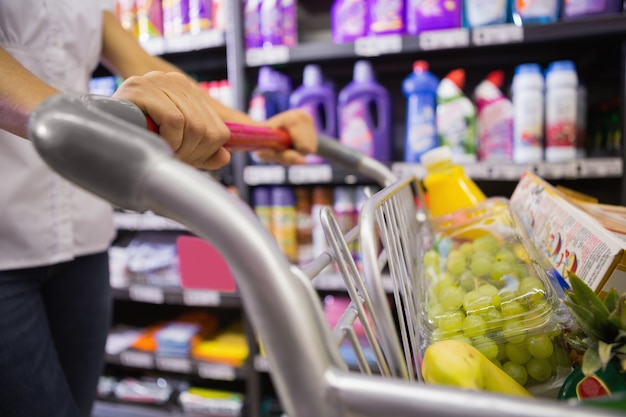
x=308 y=174
x=600 y=167
x=201 y=298
x=403 y=170
x=261 y=364
x=264 y=174
x=216 y=371
x=444 y=38
x=508 y=170
x=267 y=56
x=137 y=359
x=478 y=170
x=180 y=365
x=146 y=294
x=557 y=171
x=378 y=45
x=497 y=34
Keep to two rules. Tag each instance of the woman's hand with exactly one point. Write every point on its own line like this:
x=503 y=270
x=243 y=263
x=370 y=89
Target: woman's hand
x=301 y=129
x=185 y=117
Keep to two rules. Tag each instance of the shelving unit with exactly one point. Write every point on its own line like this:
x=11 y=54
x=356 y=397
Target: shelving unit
x=597 y=44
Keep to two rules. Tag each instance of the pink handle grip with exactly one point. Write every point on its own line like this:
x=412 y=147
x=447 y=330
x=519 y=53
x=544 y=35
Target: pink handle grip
x=244 y=138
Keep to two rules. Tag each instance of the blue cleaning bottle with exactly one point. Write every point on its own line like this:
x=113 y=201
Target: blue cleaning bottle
x=318 y=99
x=420 y=90
x=365 y=114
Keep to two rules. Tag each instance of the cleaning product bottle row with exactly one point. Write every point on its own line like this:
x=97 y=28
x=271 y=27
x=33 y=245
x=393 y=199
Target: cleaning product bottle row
x=270 y=23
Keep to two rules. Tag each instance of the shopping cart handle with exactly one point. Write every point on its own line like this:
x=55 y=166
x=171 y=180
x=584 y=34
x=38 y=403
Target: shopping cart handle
x=243 y=138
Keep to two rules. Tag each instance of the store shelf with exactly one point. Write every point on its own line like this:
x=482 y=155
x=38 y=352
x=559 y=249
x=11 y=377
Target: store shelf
x=503 y=171
x=144 y=221
x=119 y=409
x=300 y=174
x=440 y=39
x=184 y=43
x=177 y=296
x=186 y=366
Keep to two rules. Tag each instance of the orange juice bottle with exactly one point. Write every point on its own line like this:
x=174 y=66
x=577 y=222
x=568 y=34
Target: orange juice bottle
x=447 y=186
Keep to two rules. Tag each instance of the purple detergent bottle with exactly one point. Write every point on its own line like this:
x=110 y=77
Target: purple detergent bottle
x=387 y=17
x=318 y=99
x=272 y=24
x=364 y=114
x=349 y=20
x=252 y=24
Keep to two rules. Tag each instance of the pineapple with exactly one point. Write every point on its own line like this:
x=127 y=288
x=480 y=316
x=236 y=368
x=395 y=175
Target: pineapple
x=602 y=333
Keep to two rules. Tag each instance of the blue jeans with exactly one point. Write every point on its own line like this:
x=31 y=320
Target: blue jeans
x=53 y=327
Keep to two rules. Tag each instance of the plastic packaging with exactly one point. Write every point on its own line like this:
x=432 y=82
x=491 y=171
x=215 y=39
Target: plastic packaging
x=200 y=15
x=271 y=23
x=322 y=197
x=561 y=109
x=531 y=12
x=319 y=100
x=456 y=118
x=447 y=186
x=420 y=90
x=386 y=17
x=479 y=13
x=284 y=221
x=290 y=22
x=358 y=128
x=493 y=291
x=270 y=96
x=304 y=223
x=149 y=19
x=495 y=119
x=528 y=114
x=423 y=16
x=581 y=8
x=349 y=20
x=262 y=203
x=252 y=24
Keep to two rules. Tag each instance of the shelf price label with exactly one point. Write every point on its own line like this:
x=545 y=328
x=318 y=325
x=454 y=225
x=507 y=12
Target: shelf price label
x=196 y=41
x=444 y=38
x=267 y=56
x=497 y=34
x=600 y=167
x=146 y=294
x=558 y=170
x=201 y=298
x=378 y=45
x=216 y=371
x=180 y=365
x=136 y=359
x=309 y=174
x=477 y=170
x=261 y=174
x=508 y=170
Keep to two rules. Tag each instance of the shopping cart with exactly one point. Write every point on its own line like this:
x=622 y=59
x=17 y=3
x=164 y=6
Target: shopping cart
x=116 y=158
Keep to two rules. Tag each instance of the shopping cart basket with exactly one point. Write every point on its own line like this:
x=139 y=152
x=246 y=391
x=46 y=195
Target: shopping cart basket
x=135 y=169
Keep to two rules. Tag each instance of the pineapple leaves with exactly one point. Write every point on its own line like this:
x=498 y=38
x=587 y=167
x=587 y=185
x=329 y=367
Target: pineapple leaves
x=605 y=353
x=611 y=299
x=591 y=362
x=587 y=298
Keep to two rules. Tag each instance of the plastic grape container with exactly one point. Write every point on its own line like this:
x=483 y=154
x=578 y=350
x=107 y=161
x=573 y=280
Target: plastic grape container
x=485 y=284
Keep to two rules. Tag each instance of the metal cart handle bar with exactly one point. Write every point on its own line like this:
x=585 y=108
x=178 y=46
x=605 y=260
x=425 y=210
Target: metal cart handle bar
x=134 y=169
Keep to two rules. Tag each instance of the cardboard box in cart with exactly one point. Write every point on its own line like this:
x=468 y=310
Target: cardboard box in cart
x=570 y=239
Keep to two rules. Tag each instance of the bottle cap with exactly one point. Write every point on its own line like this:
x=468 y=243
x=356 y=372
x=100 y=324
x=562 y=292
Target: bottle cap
x=457 y=76
x=312 y=75
x=420 y=66
x=363 y=71
x=531 y=68
x=496 y=78
x=562 y=66
x=440 y=154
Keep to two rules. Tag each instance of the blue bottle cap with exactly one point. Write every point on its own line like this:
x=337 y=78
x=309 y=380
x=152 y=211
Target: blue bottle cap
x=531 y=68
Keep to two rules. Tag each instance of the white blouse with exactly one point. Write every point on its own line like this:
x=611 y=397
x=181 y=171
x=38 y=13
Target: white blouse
x=43 y=218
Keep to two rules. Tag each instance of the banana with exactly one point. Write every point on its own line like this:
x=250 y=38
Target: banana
x=456 y=363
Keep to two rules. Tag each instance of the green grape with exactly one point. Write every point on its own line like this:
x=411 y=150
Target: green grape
x=532 y=288
x=539 y=369
x=540 y=346
x=501 y=352
x=456 y=265
x=517 y=352
x=498 y=269
x=466 y=249
x=474 y=301
x=488 y=243
x=512 y=308
x=514 y=331
x=450 y=321
x=431 y=258
x=474 y=326
x=516 y=371
x=505 y=255
x=487 y=289
x=486 y=346
x=461 y=338
x=493 y=317
x=468 y=280
x=451 y=298
x=480 y=266
x=434 y=312
x=536 y=318
x=444 y=281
